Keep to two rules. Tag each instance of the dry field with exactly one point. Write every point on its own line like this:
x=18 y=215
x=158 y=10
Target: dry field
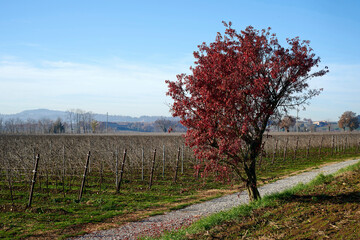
x=64 y=156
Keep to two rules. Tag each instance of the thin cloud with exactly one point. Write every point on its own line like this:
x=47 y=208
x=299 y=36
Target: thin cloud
x=71 y=82
x=341 y=93
x=139 y=89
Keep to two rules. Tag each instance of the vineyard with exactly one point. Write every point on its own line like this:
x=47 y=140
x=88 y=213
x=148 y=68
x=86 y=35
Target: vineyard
x=62 y=159
x=38 y=172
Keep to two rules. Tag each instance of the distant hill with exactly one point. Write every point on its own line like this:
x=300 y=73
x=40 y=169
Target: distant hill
x=39 y=114
x=36 y=114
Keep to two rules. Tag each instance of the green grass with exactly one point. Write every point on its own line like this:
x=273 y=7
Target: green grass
x=51 y=211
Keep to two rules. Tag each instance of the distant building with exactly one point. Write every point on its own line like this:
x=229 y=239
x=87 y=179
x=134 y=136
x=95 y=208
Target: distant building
x=321 y=123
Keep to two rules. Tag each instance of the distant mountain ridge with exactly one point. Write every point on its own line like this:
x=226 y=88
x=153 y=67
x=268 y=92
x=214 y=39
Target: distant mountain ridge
x=38 y=114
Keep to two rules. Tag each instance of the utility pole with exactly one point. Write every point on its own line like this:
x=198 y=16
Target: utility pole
x=297 y=117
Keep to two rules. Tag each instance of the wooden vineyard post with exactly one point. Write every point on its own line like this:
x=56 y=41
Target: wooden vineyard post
x=182 y=159
x=39 y=175
x=8 y=173
x=9 y=178
x=84 y=176
x=64 y=171
x=121 y=172
x=101 y=174
x=177 y=165
x=333 y=145
x=345 y=144
x=163 y=170
x=49 y=169
x=274 y=153
x=33 y=180
x=261 y=158
x=116 y=168
x=296 y=147
x=47 y=174
x=152 y=170
x=321 y=142
x=89 y=151
x=142 y=164
x=308 y=149
x=285 y=150
x=71 y=178
x=336 y=145
x=340 y=145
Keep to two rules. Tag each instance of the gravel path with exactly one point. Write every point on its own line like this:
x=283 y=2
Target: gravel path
x=176 y=219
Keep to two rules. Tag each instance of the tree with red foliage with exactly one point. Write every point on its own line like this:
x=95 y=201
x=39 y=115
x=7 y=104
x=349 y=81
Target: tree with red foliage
x=237 y=84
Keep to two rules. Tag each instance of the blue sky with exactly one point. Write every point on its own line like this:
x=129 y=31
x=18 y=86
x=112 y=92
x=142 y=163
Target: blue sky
x=114 y=56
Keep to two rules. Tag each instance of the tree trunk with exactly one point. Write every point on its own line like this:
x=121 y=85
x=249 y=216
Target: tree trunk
x=252 y=190
x=251 y=181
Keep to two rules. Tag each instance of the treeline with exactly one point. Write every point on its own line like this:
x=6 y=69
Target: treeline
x=82 y=122
x=77 y=121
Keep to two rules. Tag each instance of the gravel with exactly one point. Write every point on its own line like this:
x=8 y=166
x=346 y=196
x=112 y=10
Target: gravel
x=154 y=226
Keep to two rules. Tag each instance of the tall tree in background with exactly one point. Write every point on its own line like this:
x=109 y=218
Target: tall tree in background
x=287 y=122
x=163 y=124
x=58 y=126
x=94 y=126
x=45 y=125
x=238 y=83
x=1 y=125
x=350 y=120
x=70 y=117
